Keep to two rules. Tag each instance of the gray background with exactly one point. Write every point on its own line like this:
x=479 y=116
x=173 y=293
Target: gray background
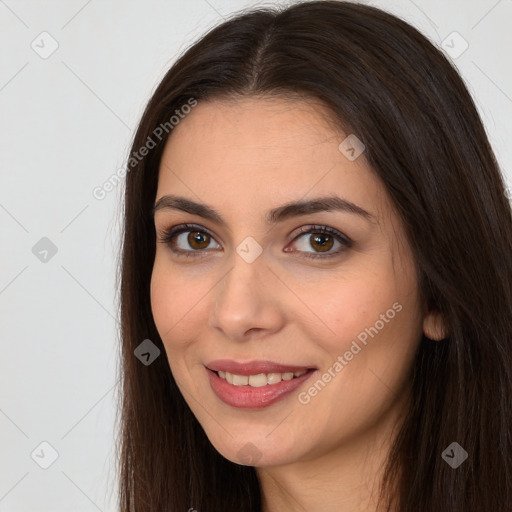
x=66 y=122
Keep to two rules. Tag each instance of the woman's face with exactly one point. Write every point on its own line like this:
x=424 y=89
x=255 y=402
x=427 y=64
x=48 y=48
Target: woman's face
x=263 y=296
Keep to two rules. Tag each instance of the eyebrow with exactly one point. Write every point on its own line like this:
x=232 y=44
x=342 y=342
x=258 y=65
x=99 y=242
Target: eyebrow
x=279 y=214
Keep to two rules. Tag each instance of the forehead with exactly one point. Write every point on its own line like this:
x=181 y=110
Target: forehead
x=249 y=151
x=272 y=118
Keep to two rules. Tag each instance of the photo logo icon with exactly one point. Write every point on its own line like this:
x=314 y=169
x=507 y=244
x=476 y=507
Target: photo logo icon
x=45 y=45
x=352 y=147
x=249 y=454
x=454 y=45
x=146 y=352
x=454 y=455
x=44 y=455
x=249 y=249
x=44 y=250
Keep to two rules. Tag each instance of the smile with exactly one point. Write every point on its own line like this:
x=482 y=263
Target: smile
x=256 y=384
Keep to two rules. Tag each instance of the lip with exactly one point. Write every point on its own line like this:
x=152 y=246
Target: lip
x=247 y=397
x=253 y=367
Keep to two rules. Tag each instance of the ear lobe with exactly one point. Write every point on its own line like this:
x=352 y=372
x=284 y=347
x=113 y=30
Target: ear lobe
x=434 y=326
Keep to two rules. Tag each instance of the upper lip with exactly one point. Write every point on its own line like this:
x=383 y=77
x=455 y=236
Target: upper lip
x=253 y=367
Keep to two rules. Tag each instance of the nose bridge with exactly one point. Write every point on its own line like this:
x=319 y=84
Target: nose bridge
x=247 y=265
x=240 y=283
x=242 y=299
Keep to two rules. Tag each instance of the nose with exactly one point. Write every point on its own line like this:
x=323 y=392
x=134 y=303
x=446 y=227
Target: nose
x=247 y=301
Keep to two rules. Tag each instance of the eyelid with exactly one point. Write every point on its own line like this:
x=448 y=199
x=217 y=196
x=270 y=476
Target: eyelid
x=168 y=235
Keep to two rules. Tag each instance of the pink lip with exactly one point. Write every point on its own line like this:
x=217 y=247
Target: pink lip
x=248 y=397
x=253 y=367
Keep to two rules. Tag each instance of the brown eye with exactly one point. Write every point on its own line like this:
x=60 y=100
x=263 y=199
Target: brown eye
x=198 y=239
x=315 y=240
x=187 y=240
x=312 y=242
x=190 y=241
x=321 y=242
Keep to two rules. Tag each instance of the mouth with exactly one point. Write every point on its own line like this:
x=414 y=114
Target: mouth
x=255 y=384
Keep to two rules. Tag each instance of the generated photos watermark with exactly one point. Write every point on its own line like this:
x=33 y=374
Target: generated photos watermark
x=341 y=361
x=100 y=192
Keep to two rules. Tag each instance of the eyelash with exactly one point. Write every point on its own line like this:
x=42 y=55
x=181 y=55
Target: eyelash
x=167 y=236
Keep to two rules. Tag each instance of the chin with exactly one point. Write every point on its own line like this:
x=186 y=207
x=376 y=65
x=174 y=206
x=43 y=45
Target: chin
x=256 y=450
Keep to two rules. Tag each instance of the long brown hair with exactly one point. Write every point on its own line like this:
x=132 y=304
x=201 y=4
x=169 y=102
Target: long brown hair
x=385 y=82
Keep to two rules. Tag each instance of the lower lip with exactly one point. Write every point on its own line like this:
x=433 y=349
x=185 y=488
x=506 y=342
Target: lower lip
x=254 y=398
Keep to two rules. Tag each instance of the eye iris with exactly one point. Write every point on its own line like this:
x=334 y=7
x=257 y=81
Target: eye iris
x=196 y=237
x=319 y=239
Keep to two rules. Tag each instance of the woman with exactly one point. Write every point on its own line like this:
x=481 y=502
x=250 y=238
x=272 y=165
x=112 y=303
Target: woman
x=316 y=277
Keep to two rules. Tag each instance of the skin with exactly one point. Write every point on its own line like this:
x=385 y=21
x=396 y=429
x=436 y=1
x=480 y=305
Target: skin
x=244 y=157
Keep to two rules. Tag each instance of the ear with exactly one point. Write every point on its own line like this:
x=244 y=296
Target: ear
x=434 y=326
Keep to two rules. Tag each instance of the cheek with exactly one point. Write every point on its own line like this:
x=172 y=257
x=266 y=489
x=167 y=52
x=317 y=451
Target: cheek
x=169 y=304
x=159 y=296
x=178 y=304
x=169 y=314
x=352 y=306
x=373 y=316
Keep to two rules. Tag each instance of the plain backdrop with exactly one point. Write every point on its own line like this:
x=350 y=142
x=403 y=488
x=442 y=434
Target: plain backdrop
x=74 y=79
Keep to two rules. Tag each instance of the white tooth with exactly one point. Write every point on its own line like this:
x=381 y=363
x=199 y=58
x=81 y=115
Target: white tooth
x=257 y=381
x=240 y=380
x=273 y=378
